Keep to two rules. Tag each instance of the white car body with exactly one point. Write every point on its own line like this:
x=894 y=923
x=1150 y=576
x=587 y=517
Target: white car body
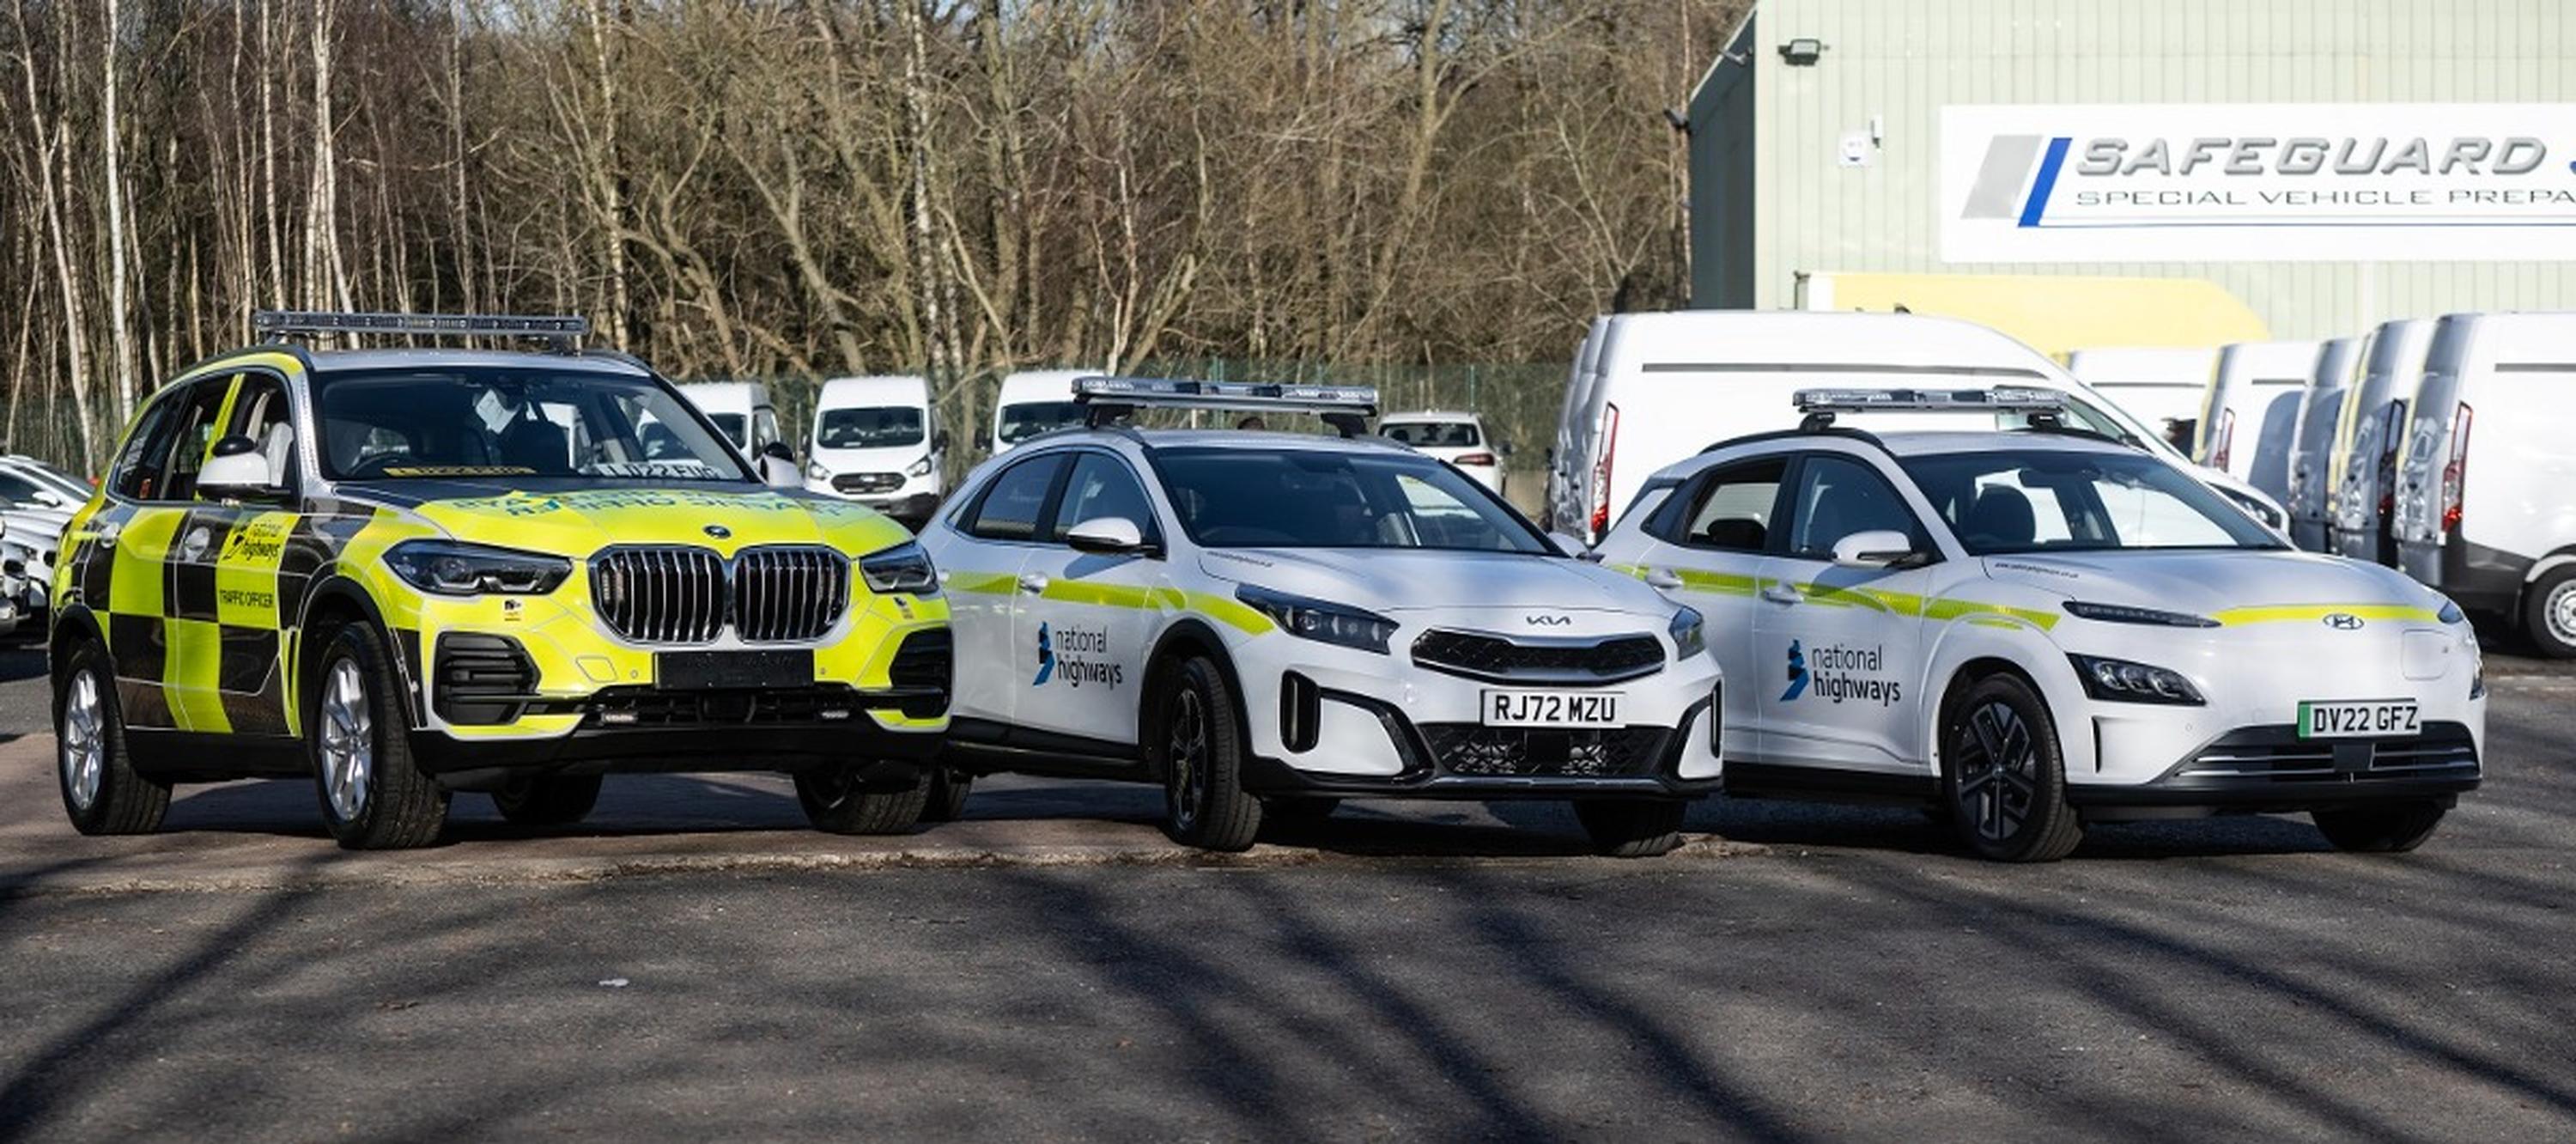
x=878 y=441
x=1031 y=403
x=1060 y=651
x=2251 y=411
x=29 y=483
x=1455 y=436
x=32 y=540
x=2483 y=509
x=1564 y=509
x=2312 y=442
x=1840 y=673
x=2373 y=433
x=1668 y=385
x=2161 y=386
x=742 y=412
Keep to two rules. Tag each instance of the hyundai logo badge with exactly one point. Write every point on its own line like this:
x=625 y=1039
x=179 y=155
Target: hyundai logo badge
x=2343 y=622
x=719 y=531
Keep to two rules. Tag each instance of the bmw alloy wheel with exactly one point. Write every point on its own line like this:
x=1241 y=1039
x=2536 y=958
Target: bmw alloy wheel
x=348 y=741
x=1998 y=773
x=84 y=745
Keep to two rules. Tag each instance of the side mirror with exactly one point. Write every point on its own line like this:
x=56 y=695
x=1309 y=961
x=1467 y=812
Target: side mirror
x=939 y=441
x=1109 y=536
x=1573 y=546
x=1877 y=548
x=237 y=472
x=778 y=451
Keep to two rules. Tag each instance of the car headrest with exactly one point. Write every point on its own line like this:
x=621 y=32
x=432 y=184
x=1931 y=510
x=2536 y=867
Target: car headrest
x=2001 y=517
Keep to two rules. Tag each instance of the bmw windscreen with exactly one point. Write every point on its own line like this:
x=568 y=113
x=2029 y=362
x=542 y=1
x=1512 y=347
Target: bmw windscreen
x=516 y=423
x=1314 y=498
x=2009 y=501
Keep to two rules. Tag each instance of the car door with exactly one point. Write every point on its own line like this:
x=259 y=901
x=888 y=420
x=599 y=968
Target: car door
x=1846 y=643
x=980 y=552
x=248 y=566
x=160 y=620
x=1706 y=548
x=1091 y=618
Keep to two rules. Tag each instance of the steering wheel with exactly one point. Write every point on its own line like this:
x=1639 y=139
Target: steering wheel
x=379 y=464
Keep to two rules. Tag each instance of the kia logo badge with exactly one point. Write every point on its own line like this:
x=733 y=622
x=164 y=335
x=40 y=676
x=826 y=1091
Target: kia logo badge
x=2344 y=622
x=1550 y=621
x=719 y=531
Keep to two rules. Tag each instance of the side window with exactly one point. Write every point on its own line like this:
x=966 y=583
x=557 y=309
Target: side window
x=1101 y=486
x=173 y=451
x=1837 y=497
x=137 y=472
x=260 y=413
x=1730 y=509
x=1009 y=510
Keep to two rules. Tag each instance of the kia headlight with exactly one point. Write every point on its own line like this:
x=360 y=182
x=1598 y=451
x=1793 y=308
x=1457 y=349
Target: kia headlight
x=902 y=568
x=1689 y=632
x=455 y=568
x=1321 y=621
x=2120 y=681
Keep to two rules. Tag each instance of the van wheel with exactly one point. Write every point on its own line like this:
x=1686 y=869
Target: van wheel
x=101 y=791
x=373 y=797
x=1200 y=752
x=1632 y=827
x=2380 y=829
x=2549 y=613
x=841 y=800
x=2003 y=776
x=547 y=800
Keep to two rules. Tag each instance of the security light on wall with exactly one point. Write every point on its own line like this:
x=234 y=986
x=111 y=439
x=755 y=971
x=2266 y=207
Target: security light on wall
x=1802 y=52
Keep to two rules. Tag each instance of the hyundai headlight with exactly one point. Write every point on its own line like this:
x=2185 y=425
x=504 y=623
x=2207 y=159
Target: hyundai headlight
x=1317 y=620
x=2124 y=614
x=902 y=568
x=1690 y=634
x=2120 y=681
x=455 y=568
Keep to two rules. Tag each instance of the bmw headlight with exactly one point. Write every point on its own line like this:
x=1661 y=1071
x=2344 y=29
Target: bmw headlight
x=902 y=568
x=2124 y=614
x=455 y=568
x=920 y=468
x=1317 y=620
x=1690 y=634
x=2120 y=681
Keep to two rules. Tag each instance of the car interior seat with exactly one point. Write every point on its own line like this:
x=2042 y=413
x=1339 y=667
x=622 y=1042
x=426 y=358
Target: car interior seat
x=2001 y=517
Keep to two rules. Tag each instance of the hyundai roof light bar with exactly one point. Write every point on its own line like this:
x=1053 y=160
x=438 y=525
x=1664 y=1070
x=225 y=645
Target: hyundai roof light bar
x=1820 y=405
x=561 y=330
x=1344 y=407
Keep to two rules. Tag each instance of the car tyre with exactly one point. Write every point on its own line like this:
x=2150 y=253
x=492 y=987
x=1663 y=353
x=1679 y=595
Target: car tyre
x=547 y=800
x=373 y=796
x=948 y=790
x=2392 y=829
x=1200 y=750
x=101 y=791
x=1632 y=827
x=843 y=800
x=2004 y=776
x=2549 y=613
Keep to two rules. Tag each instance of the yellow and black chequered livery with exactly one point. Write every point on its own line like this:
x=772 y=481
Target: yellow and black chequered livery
x=411 y=572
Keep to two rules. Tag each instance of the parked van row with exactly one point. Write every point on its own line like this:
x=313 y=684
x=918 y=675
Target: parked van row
x=2370 y=442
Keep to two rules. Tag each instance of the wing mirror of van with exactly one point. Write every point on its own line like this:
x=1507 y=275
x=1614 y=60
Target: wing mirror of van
x=939 y=441
x=237 y=472
x=1876 y=548
x=1111 y=536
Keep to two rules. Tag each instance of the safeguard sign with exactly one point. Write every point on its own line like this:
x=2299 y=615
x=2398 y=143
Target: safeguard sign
x=2284 y=182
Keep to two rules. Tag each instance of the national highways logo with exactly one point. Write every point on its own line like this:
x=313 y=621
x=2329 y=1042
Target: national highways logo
x=1838 y=673
x=1075 y=656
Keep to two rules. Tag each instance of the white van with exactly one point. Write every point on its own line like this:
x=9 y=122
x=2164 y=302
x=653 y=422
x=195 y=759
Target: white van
x=1672 y=384
x=2159 y=385
x=2251 y=410
x=1033 y=402
x=878 y=441
x=1565 y=460
x=741 y=410
x=2312 y=440
x=2494 y=524
x=2374 y=429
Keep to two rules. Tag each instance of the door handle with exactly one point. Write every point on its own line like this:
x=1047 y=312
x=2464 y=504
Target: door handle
x=1782 y=592
x=1032 y=583
x=1662 y=578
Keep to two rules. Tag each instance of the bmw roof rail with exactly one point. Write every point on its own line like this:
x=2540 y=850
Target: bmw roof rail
x=2046 y=407
x=563 y=332
x=1106 y=400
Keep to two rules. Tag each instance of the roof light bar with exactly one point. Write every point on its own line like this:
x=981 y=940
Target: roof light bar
x=2001 y=399
x=1344 y=407
x=268 y=324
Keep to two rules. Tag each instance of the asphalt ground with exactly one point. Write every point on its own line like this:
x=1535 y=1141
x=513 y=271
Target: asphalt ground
x=693 y=963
